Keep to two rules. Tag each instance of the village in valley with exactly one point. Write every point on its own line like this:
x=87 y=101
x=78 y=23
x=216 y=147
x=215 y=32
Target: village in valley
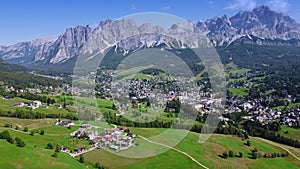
x=142 y=94
x=156 y=91
x=162 y=89
x=117 y=138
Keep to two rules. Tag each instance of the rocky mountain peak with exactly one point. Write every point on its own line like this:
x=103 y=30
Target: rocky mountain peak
x=262 y=24
x=271 y=24
x=70 y=42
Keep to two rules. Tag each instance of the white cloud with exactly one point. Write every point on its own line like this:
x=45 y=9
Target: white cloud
x=242 y=5
x=278 y=5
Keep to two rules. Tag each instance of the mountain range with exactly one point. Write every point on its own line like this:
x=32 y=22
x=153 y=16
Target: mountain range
x=261 y=26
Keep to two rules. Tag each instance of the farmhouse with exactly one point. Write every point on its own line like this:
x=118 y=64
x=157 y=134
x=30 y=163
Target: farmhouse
x=65 y=123
x=19 y=104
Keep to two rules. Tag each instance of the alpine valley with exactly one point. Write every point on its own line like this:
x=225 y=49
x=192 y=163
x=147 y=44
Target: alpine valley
x=56 y=112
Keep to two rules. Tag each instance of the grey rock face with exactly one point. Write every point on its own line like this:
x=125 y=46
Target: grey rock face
x=260 y=26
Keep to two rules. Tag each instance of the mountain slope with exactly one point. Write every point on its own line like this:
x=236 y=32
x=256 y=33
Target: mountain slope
x=4 y=66
x=52 y=50
x=261 y=26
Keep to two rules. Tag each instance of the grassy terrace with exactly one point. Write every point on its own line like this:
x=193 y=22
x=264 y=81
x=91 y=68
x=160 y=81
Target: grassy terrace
x=30 y=123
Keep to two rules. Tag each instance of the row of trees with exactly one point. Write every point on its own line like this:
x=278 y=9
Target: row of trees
x=29 y=114
x=26 y=80
x=269 y=131
x=227 y=154
x=255 y=154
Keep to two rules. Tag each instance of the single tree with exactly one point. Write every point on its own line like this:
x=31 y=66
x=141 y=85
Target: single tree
x=225 y=154
x=42 y=132
x=81 y=158
x=19 y=142
x=246 y=136
x=57 y=148
x=25 y=129
x=49 y=146
x=241 y=154
x=248 y=143
x=10 y=140
x=98 y=165
x=4 y=135
x=55 y=155
x=254 y=155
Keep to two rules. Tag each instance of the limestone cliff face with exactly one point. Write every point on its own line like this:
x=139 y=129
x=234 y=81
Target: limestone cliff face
x=260 y=26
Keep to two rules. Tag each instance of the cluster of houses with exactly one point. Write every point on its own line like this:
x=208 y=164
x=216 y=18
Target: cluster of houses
x=29 y=90
x=65 y=123
x=35 y=104
x=291 y=118
x=39 y=89
x=257 y=112
x=255 y=109
x=160 y=90
x=32 y=105
x=115 y=139
x=201 y=101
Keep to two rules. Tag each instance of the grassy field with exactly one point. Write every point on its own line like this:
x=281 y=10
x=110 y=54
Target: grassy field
x=239 y=92
x=30 y=123
x=34 y=155
x=240 y=71
x=243 y=79
x=8 y=105
x=207 y=153
x=42 y=141
x=31 y=157
x=57 y=129
x=290 y=132
x=233 y=69
x=289 y=106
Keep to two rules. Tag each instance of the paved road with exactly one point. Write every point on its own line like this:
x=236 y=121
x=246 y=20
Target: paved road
x=182 y=152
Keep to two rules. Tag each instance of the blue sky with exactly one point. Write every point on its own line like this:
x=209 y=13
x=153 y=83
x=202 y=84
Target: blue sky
x=23 y=20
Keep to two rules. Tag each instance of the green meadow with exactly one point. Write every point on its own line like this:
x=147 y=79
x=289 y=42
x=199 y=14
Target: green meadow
x=290 y=132
x=239 y=92
x=35 y=156
x=207 y=153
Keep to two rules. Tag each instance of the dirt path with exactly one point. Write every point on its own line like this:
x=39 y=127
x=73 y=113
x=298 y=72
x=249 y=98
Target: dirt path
x=182 y=152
